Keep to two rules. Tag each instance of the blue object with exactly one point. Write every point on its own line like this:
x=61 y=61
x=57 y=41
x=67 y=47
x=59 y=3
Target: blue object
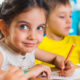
x=75 y=21
x=26 y=71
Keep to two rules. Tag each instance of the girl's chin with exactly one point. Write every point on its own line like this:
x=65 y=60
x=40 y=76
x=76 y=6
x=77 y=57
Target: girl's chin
x=29 y=50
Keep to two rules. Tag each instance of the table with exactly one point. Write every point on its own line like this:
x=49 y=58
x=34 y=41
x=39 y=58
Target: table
x=55 y=69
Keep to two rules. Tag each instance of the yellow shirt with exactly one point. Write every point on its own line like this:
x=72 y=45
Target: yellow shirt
x=62 y=48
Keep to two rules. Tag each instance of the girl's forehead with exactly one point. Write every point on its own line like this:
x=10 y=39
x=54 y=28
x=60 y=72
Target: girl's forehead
x=33 y=16
x=31 y=12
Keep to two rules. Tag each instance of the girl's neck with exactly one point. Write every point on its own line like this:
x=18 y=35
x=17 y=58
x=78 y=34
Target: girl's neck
x=53 y=36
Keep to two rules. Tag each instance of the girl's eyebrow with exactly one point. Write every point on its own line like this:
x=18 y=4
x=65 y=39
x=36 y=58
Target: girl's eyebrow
x=23 y=22
x=43 y=25
x=29 y=23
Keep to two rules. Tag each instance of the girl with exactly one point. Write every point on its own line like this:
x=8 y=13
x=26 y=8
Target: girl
x=22 y=24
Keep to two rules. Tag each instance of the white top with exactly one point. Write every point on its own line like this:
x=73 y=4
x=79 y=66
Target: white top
x=12 y=58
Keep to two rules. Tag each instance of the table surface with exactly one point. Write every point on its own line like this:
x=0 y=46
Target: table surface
x=55 y=69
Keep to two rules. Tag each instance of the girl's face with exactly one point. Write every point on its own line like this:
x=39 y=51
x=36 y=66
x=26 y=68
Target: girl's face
x=59 y=21
x=26 y=30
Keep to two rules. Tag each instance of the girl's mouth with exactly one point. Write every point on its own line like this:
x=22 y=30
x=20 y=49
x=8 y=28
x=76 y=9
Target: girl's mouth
x=30 y=44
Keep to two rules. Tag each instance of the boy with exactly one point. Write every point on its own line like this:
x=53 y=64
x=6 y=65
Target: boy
x=59 y=23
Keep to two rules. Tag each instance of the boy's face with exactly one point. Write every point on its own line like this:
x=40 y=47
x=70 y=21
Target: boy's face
x=26 y=30
x=59 y=21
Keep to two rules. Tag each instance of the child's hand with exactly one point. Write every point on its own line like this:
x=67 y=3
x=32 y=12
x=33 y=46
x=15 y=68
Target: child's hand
x=14 y=73
x=68 y=67
x=2 y=73
x=39 y=69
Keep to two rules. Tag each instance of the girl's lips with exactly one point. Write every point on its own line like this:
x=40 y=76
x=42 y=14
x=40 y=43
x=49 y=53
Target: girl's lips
x=29 y=44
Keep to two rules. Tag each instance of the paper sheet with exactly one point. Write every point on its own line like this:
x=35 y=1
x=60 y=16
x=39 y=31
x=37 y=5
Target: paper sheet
x=76 y=75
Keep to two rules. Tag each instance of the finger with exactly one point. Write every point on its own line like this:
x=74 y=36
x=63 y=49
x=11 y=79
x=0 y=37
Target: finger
x=68 y=72
x=26 y=76
x=19 y=72
x=47 y=70
x=13 y=69
x=62 y=66
x=69 y=65
x=22 y=78
x=2 y=73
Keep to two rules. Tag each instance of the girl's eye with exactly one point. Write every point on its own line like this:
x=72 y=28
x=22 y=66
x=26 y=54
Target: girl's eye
x=40 y=28
x=23 y=27
x=62 y=16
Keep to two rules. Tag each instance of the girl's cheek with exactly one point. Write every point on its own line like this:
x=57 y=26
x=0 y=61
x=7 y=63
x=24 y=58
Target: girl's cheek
x=22 y=35
x=40 y=39
x=19 y=37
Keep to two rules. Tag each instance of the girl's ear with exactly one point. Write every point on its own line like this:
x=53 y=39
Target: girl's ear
x=3 y=28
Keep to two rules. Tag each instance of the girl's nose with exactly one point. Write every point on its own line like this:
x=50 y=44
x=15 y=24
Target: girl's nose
x=32 y=35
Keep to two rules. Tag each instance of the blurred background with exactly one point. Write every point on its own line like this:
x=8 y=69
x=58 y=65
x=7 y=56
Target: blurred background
x=75 y=30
